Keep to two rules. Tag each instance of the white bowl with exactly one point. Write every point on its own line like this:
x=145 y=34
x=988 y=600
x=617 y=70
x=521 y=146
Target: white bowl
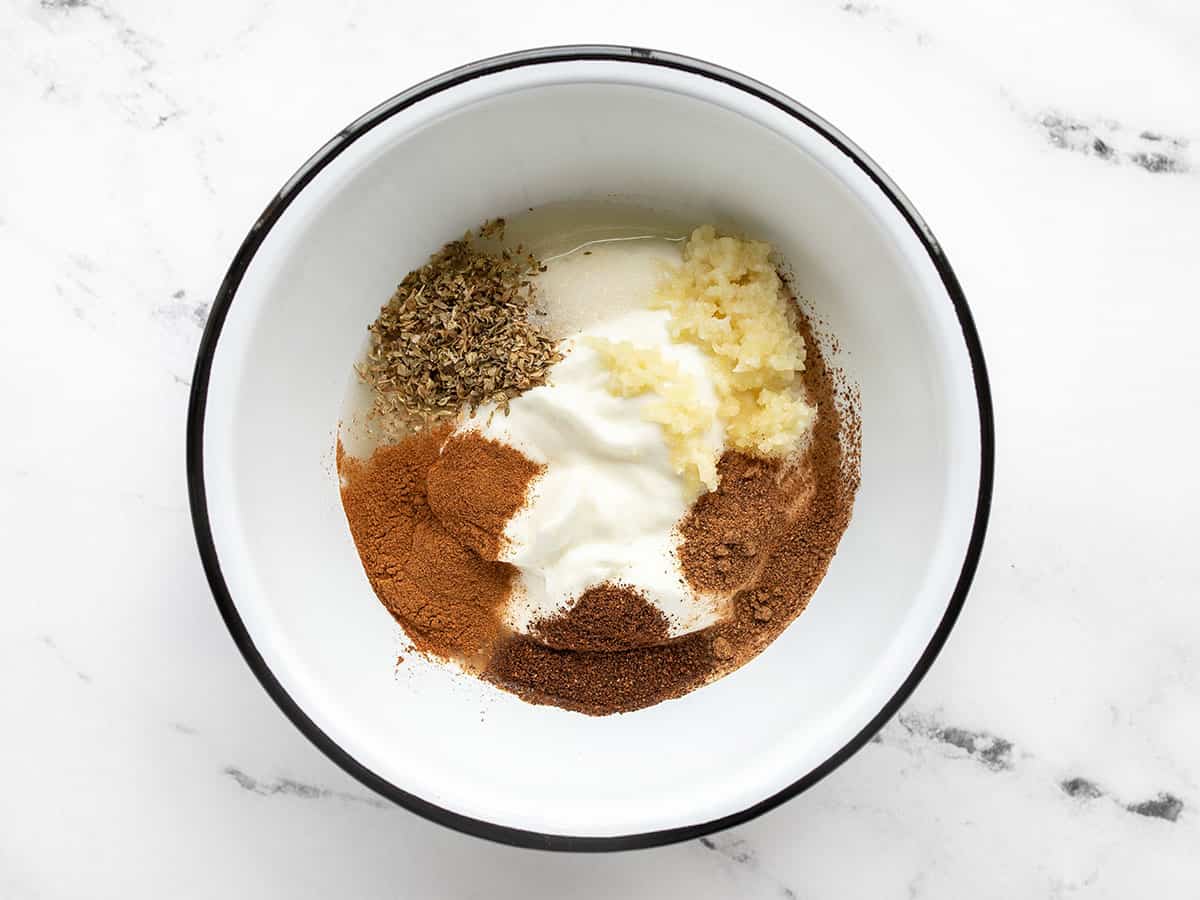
x=496 y=137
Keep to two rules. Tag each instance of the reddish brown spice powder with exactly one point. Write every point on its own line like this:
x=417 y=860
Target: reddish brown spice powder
x=476 y=486
x=448 y=597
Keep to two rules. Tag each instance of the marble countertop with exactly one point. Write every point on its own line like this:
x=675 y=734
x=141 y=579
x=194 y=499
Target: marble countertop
x=1053 y=750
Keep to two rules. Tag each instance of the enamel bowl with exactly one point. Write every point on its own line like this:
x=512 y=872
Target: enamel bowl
x=498 y=137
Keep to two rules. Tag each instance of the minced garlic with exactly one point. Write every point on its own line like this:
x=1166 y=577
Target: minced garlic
x=677 y=406
x=727 y=298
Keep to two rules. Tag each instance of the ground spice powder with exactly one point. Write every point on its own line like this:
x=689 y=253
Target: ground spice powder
x=448 y=597
x=608 y=618
x=475 y=486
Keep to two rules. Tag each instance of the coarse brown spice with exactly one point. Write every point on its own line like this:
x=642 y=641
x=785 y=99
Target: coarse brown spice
x=599 y=683
x=609 y=618
x=726 y=529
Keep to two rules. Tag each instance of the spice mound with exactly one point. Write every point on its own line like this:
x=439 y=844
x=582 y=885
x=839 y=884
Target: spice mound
x=457 y=333
x=446 y=593
x=607 y=475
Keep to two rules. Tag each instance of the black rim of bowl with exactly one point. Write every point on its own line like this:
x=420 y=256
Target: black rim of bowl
x=225 y=297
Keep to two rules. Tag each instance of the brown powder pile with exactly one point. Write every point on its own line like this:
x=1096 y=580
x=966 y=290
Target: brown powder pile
x=819 y=500
x=607 y=618
x=600 y=683
x=476 y=486
x=448 y=597
x=727 y=533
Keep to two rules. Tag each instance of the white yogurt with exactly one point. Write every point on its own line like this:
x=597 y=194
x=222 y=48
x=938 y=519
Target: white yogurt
x=607 y=507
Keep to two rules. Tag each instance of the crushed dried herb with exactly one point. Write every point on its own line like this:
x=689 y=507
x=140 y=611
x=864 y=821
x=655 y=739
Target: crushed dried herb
x=493 y=229
x=457 y=334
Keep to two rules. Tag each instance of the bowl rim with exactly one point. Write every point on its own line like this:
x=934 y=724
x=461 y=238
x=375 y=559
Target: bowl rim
x=228 y=290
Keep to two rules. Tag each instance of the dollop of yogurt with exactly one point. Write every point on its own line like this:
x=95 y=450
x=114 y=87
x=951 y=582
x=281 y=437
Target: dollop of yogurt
x=607 y=506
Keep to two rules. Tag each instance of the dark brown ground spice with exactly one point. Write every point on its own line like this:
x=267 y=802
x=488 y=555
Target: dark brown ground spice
x=768 y=532
x=606 y=618
x=600 y=683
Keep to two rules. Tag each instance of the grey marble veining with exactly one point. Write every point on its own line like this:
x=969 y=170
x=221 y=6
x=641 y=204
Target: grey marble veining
x=1054 y=749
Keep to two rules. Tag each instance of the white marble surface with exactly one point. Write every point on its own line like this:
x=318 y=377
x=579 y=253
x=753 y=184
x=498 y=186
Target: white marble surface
x=1054 y=749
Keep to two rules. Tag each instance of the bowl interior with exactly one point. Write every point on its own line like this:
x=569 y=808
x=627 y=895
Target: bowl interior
x=498 y=144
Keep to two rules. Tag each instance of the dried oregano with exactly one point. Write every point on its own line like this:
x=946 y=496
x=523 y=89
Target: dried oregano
x=457 y=334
